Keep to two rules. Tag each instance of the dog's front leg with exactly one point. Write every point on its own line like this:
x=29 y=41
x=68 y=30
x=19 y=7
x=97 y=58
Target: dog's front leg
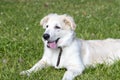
x=72 y=72
x=38 y=66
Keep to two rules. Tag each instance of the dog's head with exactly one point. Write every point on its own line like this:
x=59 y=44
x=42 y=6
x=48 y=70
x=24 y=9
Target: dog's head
x=59 y=29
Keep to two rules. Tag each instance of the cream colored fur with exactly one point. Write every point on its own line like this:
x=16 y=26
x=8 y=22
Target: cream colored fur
x=77 y=54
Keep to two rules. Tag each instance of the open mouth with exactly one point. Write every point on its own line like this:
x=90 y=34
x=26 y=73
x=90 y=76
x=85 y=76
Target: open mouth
x=52 y=44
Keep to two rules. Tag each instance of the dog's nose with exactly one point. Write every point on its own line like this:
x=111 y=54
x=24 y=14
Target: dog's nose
x=46 y=36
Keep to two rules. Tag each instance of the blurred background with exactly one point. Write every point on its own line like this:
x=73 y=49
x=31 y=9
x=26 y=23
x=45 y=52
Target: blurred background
x=20 y=34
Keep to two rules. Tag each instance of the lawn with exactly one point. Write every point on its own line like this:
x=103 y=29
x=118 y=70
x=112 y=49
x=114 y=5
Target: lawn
x=20 y=35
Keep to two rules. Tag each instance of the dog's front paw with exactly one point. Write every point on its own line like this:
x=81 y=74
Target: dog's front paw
x=68 y=76
x=25 y=73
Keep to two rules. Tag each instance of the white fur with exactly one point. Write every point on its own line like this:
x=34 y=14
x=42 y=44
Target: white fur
x=77 y=54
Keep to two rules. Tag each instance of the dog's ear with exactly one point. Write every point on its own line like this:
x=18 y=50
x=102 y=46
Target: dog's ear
x=44 y=20
x=68 y=20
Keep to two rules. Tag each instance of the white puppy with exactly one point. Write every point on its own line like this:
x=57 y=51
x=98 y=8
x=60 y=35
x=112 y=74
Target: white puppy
x=63 y=50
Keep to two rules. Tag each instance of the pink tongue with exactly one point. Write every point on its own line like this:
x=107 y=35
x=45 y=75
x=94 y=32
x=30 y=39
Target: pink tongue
x=52 y=45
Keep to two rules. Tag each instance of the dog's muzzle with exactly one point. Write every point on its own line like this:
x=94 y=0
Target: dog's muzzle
x=51 y=44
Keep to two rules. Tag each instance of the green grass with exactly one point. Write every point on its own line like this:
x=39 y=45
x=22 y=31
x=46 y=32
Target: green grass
x=20 y=35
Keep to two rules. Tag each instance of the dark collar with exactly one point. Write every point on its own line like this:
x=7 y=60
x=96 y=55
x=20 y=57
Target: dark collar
x=59 y=56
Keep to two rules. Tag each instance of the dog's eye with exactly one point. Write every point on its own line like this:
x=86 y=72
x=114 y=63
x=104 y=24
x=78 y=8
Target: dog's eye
x=46 y=26
x=57 y=27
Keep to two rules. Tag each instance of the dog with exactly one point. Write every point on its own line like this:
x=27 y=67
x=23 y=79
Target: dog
x=63 y=50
